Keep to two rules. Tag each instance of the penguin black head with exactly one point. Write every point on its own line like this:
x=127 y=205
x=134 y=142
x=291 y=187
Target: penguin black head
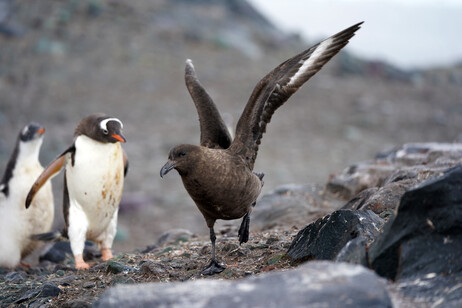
x=27 y=146
x=31 y=132
x=101 y=127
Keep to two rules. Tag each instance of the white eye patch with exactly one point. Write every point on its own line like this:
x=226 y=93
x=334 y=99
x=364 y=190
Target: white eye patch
x=103 y=123
x=25 y=130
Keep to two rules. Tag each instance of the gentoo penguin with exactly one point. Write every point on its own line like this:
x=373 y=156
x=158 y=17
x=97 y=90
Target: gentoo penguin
x=95 y=166
x=218 y=174
x=16 y=223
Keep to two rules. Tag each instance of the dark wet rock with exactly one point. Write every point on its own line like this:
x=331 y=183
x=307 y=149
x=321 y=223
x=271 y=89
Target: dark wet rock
x=430 y=213
x=15 y=277
x=420 y=248
x=383 y=201
x=291 y=205
x=360 y=199
x=91 y=251
x=354 y=251
x=61 y=250
x=319 y=284
x=47 y=290
x=115 y=267
x=325 y=238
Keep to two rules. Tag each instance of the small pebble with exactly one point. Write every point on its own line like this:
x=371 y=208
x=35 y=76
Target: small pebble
x=89 y=285
x=15 y=277
x=116 y=267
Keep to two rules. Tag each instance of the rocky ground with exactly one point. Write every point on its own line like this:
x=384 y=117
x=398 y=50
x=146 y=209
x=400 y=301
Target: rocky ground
x=402 y=223
x=60 y=285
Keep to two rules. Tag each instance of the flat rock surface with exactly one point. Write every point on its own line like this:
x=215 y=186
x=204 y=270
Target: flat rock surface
x=315 y=284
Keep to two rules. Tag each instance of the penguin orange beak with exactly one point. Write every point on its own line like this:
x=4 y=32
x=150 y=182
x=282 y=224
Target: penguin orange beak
x=119 y=137
x=41 y=130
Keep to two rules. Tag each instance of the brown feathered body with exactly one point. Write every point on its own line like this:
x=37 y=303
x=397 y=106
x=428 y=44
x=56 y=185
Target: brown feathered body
x=220 y=183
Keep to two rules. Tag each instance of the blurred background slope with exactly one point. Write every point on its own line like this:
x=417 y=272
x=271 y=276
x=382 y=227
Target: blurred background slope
x=62 y=60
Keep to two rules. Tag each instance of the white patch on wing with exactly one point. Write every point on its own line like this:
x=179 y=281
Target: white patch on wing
x=312 y=59
x=103 y=123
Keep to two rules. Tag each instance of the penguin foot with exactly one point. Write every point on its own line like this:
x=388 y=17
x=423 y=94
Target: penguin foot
x=24 y=265
x=80 y=263
x=106 y=254
x=213 y=268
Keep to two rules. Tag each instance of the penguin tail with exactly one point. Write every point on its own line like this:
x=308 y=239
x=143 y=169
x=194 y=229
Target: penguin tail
x=49 y=236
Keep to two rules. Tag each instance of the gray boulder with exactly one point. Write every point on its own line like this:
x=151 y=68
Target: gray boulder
x=292 y=204
x=429 y=214
x=420 y=248
x=414 y=162
x=342 y=236
x=382 y=201
x=316 y=284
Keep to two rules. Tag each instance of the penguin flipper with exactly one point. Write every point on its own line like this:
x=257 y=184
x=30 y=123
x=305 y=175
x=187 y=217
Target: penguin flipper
x=125 y=162
x=53 y=236
x=51 y=170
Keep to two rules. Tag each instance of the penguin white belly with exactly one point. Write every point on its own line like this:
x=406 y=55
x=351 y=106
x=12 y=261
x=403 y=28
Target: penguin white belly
x=38 y=218
x=17 y=223
x=12 y=232
x=95 y=184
